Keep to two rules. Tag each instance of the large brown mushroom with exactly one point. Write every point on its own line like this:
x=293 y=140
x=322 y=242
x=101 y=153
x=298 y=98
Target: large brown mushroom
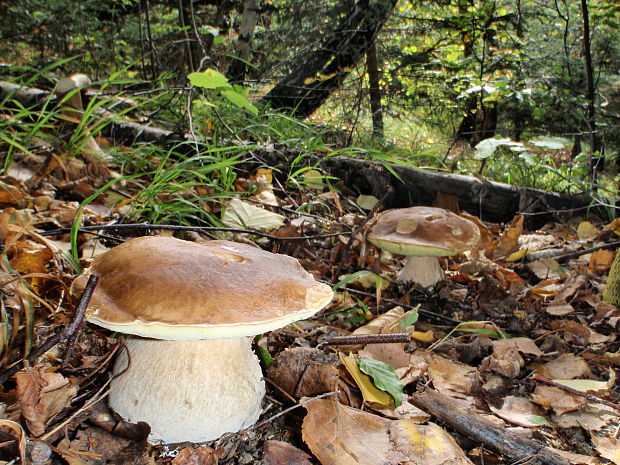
x=191 y=310
x=423 y=234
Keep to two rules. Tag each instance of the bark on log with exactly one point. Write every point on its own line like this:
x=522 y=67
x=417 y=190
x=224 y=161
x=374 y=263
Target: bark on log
x=506 y=443
x=489 y=200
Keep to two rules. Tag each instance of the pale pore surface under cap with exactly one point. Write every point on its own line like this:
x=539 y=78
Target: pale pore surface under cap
x=167 y=288
x=188 y=390
x=423 y=231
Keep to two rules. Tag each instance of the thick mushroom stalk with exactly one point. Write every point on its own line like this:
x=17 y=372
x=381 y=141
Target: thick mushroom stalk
x=193 y=390
x=424 y=271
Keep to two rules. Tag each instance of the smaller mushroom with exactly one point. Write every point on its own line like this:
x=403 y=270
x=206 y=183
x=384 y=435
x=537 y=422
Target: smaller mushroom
x=423 y=234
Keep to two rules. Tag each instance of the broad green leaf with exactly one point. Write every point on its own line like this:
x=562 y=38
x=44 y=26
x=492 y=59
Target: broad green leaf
x=487 y=147
x=240 y=100
x=370 y=392
x=384 y=377
x=553 y=143
x=410 y=318
x=209 y=79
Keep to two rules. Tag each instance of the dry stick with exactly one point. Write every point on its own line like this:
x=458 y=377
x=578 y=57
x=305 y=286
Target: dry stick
x=120 y=227
x=358 y=228
x=506 y=443
x=68 y=332
x=590 y=397
x=579 y=253
x=421 y=311
x=367 y=339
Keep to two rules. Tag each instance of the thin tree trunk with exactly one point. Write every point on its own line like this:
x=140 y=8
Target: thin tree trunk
x=238 y=67
x=596 y=162
x=375 y=92
x=323 y=71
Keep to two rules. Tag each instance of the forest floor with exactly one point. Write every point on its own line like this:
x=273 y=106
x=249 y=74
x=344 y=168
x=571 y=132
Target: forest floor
x=516 y=337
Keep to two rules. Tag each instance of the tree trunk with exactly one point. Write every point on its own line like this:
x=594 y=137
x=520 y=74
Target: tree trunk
x=374 y=90
x=238 y=67
x=324 y=70
x=596 y=161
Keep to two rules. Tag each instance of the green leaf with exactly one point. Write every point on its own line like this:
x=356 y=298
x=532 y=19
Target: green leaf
x=240 y=100
x=410 y=317
x=209 y=79
x=384 y=377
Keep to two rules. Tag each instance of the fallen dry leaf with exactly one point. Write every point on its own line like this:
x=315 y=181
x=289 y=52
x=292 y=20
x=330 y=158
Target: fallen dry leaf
x=608 y=448
x=519 y=411
x=304 y=371
x=559 y=401
x=600 y=260
x=586 y=230
x=449 y=376
x=509 y=241
x=42 y=394
x=283 y=453
x=566 y=366
x=339 y=435
x=577 y=459
x=201 y=455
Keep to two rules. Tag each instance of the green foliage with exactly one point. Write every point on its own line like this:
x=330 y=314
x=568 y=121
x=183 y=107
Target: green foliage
x=384 y=377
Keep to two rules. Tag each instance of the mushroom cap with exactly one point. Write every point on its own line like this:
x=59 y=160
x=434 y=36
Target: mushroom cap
x=167 y=288
x=423 y=231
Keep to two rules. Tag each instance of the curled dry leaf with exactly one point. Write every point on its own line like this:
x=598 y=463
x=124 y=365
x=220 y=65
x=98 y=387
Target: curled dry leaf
x=509 y=241
x=449 y=376
x=283 y=453
x=42 y=394
x=304 y=371
x=559 y=401
x=339 y=435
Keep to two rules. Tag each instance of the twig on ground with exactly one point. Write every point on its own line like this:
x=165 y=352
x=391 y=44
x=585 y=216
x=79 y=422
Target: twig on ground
x=204 y=229
x=575 y=392
x=421 y=311
x=68 y=332
x=364 y=339
x=579 y=253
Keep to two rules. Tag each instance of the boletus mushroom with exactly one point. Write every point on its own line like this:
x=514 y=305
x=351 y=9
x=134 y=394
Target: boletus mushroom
x=190 y=310
x=423 y=234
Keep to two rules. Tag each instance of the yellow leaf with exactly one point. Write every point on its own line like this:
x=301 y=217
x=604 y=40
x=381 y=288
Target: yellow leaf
x=586 y=230
x=372 y=395
x=423 y=336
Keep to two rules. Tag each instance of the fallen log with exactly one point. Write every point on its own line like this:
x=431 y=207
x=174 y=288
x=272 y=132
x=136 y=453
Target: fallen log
x=514 y=447
x=489 y=200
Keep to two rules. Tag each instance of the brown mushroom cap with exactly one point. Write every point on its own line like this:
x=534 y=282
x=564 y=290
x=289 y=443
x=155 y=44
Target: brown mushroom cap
x=167 y=288
x=423 y=231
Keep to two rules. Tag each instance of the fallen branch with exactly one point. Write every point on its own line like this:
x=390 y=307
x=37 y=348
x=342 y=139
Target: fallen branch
x=496 y=438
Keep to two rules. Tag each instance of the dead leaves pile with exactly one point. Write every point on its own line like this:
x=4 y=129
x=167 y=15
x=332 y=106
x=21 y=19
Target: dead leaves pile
x=528 y=313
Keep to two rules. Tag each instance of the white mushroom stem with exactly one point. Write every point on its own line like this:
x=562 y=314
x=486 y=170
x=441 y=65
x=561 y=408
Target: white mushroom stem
x=188 y=390
x=424 y=271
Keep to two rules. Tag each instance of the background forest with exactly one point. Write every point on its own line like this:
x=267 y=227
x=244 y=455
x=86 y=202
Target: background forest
x=540 y=76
